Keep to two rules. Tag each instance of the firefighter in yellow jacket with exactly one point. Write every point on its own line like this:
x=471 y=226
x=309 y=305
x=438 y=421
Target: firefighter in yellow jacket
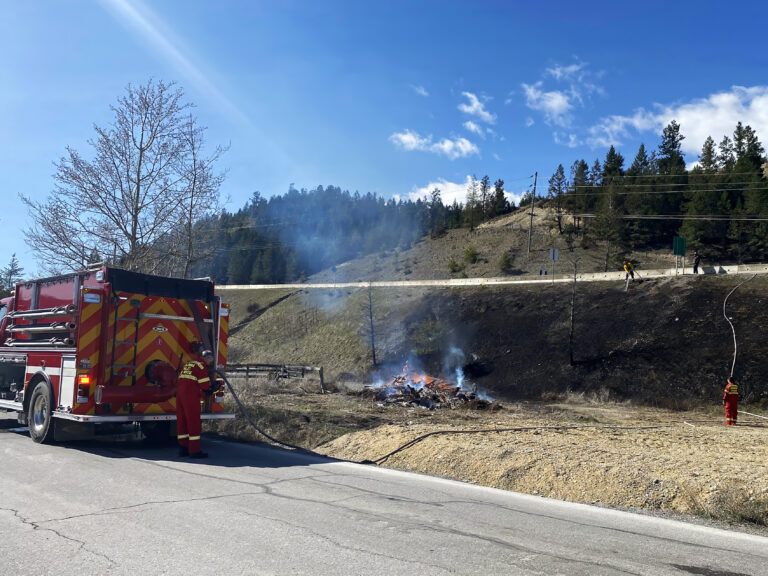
x=629 y=269
x=194 y=380
x=731 y=402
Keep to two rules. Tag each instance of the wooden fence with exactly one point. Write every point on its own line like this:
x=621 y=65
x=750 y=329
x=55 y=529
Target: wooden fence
x=276 y=371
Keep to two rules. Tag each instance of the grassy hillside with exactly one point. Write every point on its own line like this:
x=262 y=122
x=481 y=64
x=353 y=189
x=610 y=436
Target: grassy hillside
x=664 y=342
x=431 y=257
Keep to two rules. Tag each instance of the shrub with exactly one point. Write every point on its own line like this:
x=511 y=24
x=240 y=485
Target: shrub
x=454 y=267
x=505 y=264
x=470 y=255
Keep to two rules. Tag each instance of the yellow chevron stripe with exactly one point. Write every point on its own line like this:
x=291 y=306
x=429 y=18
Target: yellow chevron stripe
x=88 y=338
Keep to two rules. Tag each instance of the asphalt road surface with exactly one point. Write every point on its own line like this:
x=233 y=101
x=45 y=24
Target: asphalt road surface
x=116 y=506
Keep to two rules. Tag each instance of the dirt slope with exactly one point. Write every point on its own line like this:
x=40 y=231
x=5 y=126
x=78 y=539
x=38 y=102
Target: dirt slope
x=645 y=460
x=611 y=454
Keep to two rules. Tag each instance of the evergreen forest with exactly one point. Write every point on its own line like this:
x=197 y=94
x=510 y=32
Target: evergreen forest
x=719 y=205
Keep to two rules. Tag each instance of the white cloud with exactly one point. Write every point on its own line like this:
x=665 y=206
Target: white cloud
x=558 y=103
x=715 y=116
x=420 y=90
x=409 y=140
x=476 y=128
x=529 y=122
x=450 y=191
x=456 y=148
x=566 y=72
x=570 y=140
x=476 y=108
x=555 y=105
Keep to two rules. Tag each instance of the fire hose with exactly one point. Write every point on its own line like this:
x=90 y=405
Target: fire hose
x=435 y=433
x=252 y=423
x=517 y=429
x=423 y=436
x=733 y=365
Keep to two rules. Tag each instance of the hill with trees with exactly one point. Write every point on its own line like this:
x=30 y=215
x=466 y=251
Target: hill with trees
x=720 y=206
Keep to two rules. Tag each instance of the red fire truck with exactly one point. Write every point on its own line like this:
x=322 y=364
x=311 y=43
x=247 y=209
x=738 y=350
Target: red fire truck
x=92 y=351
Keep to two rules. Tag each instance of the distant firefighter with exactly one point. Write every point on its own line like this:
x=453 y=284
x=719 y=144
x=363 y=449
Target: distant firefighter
x=731 y=402
x=629 y=269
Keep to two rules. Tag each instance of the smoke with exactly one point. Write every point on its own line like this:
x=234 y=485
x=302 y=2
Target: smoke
x=328 y=226
x=453 y=363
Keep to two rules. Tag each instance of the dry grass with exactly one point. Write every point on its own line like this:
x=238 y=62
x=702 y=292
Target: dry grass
x=607 y=453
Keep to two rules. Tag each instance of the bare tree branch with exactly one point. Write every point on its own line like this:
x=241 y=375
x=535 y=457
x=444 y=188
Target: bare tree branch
x=135 y=203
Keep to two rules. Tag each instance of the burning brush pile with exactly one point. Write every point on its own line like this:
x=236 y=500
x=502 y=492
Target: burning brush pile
x=418 y=389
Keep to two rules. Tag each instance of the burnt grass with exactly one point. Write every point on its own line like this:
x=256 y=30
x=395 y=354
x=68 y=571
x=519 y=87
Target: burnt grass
x=664 y=343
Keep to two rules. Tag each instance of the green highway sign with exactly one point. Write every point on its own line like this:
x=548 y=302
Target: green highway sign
x=678 y=246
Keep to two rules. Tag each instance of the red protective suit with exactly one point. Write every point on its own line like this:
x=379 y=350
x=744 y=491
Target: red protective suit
x=193 y=381
x=731 y=402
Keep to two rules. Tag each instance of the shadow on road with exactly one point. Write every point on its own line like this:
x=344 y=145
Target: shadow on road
x=222 y=453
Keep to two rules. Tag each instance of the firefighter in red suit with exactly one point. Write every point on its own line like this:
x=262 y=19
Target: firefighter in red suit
x=731 y=402
x=194 y=380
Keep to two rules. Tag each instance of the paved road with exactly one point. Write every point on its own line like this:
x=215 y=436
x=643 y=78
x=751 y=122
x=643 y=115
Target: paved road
x=118 y=507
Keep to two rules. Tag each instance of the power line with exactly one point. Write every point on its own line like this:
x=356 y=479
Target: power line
x=649 y=192
x=684 y=174
x=621 y=184
x=707 y=217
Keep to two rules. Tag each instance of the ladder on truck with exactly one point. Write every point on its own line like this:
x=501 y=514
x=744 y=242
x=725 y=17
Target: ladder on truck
x=131 y=320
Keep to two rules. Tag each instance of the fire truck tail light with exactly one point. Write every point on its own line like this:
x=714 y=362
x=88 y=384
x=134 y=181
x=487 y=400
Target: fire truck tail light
x=83 y=388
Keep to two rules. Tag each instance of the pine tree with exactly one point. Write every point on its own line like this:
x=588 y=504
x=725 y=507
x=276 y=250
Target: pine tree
x=557 y=187
x=641 y=165
x=11 y=274
x=726 y=159
x=671 y=164
x=500 y=203
x=613 y=167
x=638 y=232
x=578 y=198
x=708 y=156
x=485 y=197
x=704 y=200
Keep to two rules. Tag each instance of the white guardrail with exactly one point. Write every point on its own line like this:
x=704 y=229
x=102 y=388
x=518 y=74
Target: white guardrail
x=559 y=278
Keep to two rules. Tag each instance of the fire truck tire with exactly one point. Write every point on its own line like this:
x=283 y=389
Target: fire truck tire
x=39 y=414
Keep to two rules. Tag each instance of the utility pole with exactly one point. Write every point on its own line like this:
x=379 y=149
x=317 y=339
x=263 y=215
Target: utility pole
x=533 y=199
x=573 y=305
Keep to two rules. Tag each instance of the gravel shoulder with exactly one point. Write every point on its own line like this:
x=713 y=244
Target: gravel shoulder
x=676 y=463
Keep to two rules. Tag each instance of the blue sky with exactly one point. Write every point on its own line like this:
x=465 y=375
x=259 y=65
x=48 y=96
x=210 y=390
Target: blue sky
x=392 y=97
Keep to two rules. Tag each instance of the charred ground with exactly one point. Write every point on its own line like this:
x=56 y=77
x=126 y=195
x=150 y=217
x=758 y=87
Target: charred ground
x=664 y=342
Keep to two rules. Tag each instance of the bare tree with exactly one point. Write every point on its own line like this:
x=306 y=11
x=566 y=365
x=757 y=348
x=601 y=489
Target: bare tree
x=472 y=201
x=135 y=202
x=368 y=304
x=200 y=197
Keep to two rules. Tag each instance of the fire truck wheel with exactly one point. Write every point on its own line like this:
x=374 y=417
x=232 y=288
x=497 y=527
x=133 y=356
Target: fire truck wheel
x=39 y=414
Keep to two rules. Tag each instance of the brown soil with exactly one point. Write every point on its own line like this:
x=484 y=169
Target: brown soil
x=616 y=455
